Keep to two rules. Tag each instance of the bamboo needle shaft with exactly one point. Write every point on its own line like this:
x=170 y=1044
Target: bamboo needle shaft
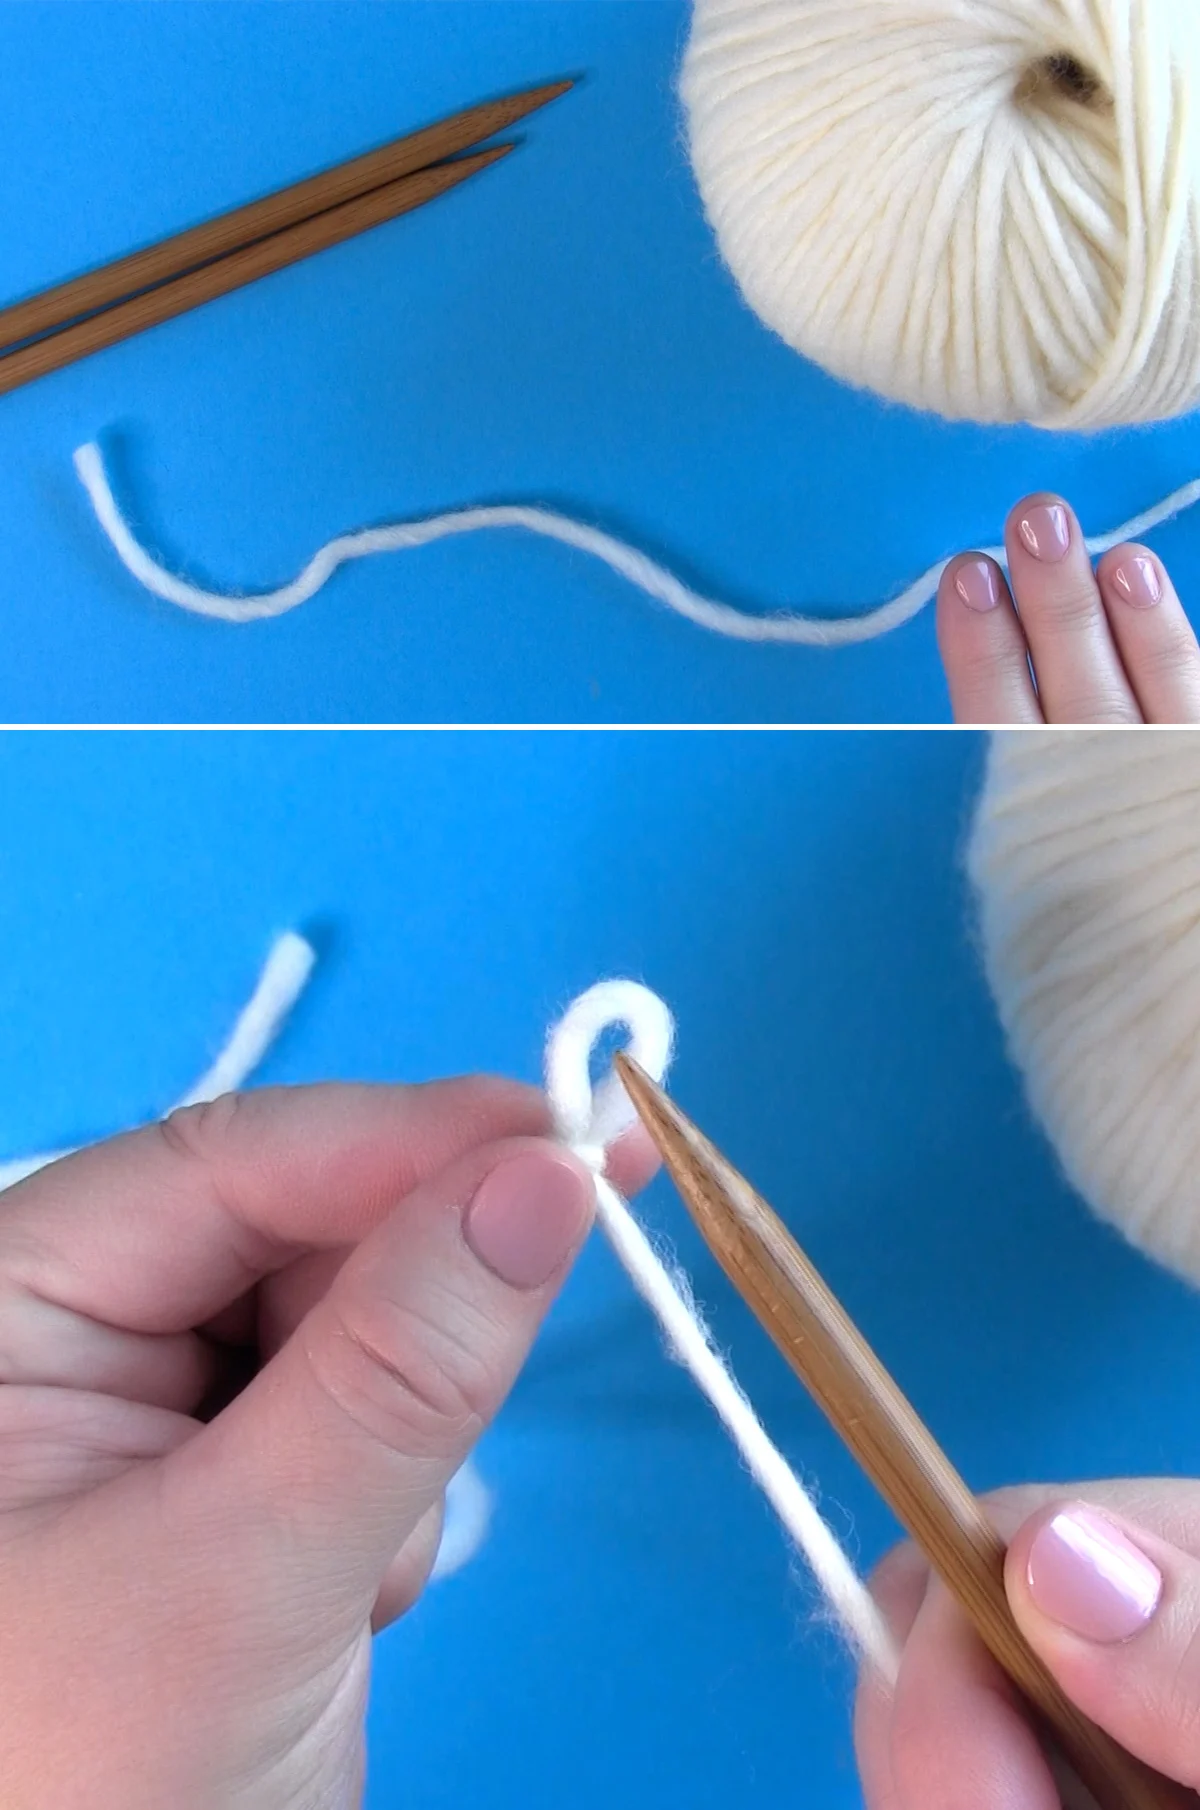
x=241 y=267
x=881 y=1428
x=229 y=232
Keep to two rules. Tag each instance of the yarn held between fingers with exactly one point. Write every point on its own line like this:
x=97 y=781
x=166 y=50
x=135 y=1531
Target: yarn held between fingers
x=588 y=1118
x=285 y=974
x=659 y=584
x=589 y=1121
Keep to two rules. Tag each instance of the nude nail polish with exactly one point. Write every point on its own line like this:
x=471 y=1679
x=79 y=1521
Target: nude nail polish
x=1085 y=1574
x=1045 y=531
x=528 y=1217
x=1136 y=580
x=976 y=583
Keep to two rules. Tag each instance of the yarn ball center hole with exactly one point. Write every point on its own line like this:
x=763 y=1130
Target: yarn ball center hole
x=1060 y=76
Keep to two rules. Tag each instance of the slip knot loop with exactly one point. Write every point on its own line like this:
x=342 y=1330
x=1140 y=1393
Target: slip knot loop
x=589 y=1116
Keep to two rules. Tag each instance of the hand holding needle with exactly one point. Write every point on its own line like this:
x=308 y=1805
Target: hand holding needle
x=882 y=1429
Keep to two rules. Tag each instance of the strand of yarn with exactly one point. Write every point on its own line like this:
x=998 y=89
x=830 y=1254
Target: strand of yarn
x=637 y=568
x=283 y=978
x=589 y=1119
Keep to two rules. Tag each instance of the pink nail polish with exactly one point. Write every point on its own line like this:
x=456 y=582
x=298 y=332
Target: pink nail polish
x=1045 y=528
x=976 y=583
x=528 y=1216
x=1087 y=1576
x=1137 y=581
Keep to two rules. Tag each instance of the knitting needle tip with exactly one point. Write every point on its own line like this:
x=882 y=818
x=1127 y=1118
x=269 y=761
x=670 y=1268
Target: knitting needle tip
x=522 y=104
x=722 y=1202
x=684 y=1149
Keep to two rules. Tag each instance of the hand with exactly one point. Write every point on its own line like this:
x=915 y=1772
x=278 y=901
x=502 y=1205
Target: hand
x=1104 y=1582
x=1109 y=646
x=357 y=1273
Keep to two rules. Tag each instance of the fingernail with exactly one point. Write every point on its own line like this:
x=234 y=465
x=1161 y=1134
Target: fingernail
x=976 y=583
x=1084 y=1574
x=1137 y=580
x=1045 y=529
x=528 y=1217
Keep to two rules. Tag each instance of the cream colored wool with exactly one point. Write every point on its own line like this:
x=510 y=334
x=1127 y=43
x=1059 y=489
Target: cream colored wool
x=1085 y=857
x=986 y=208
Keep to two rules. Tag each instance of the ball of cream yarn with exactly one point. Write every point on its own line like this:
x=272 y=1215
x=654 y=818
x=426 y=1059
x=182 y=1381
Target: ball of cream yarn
x=986 y=208
x=1085 y=858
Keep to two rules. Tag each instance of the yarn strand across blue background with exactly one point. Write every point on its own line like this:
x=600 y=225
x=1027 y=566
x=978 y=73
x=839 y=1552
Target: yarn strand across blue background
x=782 y=628
x=563 y=336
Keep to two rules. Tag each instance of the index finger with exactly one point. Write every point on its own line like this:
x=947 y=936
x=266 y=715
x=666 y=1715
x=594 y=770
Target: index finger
x=959 y=1732
x=157 y=1230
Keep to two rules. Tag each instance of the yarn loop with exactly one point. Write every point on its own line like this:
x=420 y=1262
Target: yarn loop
x=591 y=1116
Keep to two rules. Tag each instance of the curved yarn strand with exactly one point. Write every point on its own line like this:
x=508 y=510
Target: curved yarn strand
x=667 y=1293
x=637 y=568
x=283 y=978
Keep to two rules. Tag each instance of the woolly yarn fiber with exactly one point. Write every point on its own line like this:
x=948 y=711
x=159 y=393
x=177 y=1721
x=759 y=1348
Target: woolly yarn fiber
x=985 y=208
x=1085 y=860
x=589 y=1116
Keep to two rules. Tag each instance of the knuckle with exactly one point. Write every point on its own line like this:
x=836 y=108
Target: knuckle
x=983 y=676
x=1173 y=657
x=199 y=1133
x=1073 y=604
x=1098 y=707
x=404 y=1378
x=209 y=1140
x=985 y=667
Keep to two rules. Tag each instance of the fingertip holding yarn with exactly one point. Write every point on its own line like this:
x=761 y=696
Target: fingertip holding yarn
x=1085 y=862
x=992 y=212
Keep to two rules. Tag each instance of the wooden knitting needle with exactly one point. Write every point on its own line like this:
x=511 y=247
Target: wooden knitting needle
x=170 y=258
x=240 y=267
x=881 y=1428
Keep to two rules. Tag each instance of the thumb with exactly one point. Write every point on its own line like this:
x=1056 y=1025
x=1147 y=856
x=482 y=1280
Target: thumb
x=309 y=1483
x=1112 y=1605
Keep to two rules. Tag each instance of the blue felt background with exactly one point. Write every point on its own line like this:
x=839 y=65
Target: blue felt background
x=630 y=1633
x=560 y=330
